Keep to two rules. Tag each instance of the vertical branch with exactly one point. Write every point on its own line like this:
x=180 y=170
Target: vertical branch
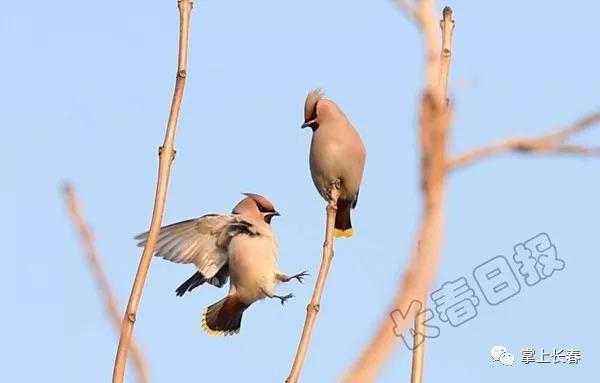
x=112 y=308
x=312 y=309
x=437 y=158
x=447 y=27
x=418 y=354
x=435 y=119
x=166 y=155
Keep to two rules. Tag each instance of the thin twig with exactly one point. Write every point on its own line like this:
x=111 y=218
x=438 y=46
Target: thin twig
x=166 y=155
x=112 y=308
x=419 y=337
x=434 y=122
x=312 y=309
x=551 y=143
x=447 y=27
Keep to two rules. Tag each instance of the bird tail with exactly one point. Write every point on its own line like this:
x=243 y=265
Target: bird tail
x=343 y=226
x=224 y=317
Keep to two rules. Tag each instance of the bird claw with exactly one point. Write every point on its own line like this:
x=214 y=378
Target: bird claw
x=300 y=276
x=284 y=298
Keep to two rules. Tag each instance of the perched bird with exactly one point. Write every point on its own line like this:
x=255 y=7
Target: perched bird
x=241 y=244
x=337 y=156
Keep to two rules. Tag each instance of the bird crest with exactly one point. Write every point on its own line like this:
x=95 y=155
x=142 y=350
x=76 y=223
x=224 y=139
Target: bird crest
x=261 y=201
x=310 y=105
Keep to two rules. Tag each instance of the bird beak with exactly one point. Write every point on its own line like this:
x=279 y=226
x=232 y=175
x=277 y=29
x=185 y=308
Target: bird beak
x=269 y=216
x=307 y=123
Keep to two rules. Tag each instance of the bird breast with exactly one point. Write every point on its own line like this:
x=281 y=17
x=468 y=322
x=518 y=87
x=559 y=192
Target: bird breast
x=332 y=159
x=253 y=265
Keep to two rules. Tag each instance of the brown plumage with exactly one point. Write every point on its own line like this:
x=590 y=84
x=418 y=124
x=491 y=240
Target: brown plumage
x=224 y=317
x=337 y=156
x=342 y=217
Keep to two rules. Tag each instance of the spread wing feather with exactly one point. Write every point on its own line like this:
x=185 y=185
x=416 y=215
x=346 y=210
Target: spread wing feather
x=202 y=241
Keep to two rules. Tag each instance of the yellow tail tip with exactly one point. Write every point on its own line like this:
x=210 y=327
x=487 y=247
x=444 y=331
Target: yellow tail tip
x=344 y=233
x=212 y=332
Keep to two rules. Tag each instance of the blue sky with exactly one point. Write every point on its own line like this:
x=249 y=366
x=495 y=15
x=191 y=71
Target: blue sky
x=86 y=91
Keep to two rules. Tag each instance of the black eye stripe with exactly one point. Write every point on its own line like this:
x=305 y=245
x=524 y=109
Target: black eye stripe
x=263 y=209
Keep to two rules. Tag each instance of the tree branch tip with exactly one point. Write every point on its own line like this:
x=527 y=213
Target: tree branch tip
x=180 y=3
x=447 y=18
x=447 y=12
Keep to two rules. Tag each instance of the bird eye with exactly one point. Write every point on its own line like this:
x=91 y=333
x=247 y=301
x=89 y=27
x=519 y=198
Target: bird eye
x=262 y=209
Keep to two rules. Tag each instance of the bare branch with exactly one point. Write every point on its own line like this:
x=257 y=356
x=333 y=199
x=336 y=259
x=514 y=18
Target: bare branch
x=413 y=286
x=577 y=149
x=435 y=120
x=578 y=126
x=409 y=8
x=112 y=309
x=438 y=132
x=551 y=143
x=312 y=309
x=447 y=27
x=418 y=350
x=434 y=123
x=166 y=155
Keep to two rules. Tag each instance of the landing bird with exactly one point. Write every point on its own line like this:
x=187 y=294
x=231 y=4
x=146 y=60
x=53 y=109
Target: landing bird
x=337 y=156
x=241 y=244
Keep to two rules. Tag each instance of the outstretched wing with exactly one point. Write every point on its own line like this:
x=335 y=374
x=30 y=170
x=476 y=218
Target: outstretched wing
x=196 y=241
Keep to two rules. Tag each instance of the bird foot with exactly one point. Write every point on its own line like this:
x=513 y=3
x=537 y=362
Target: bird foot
x=284 y=298
x=300 y=276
